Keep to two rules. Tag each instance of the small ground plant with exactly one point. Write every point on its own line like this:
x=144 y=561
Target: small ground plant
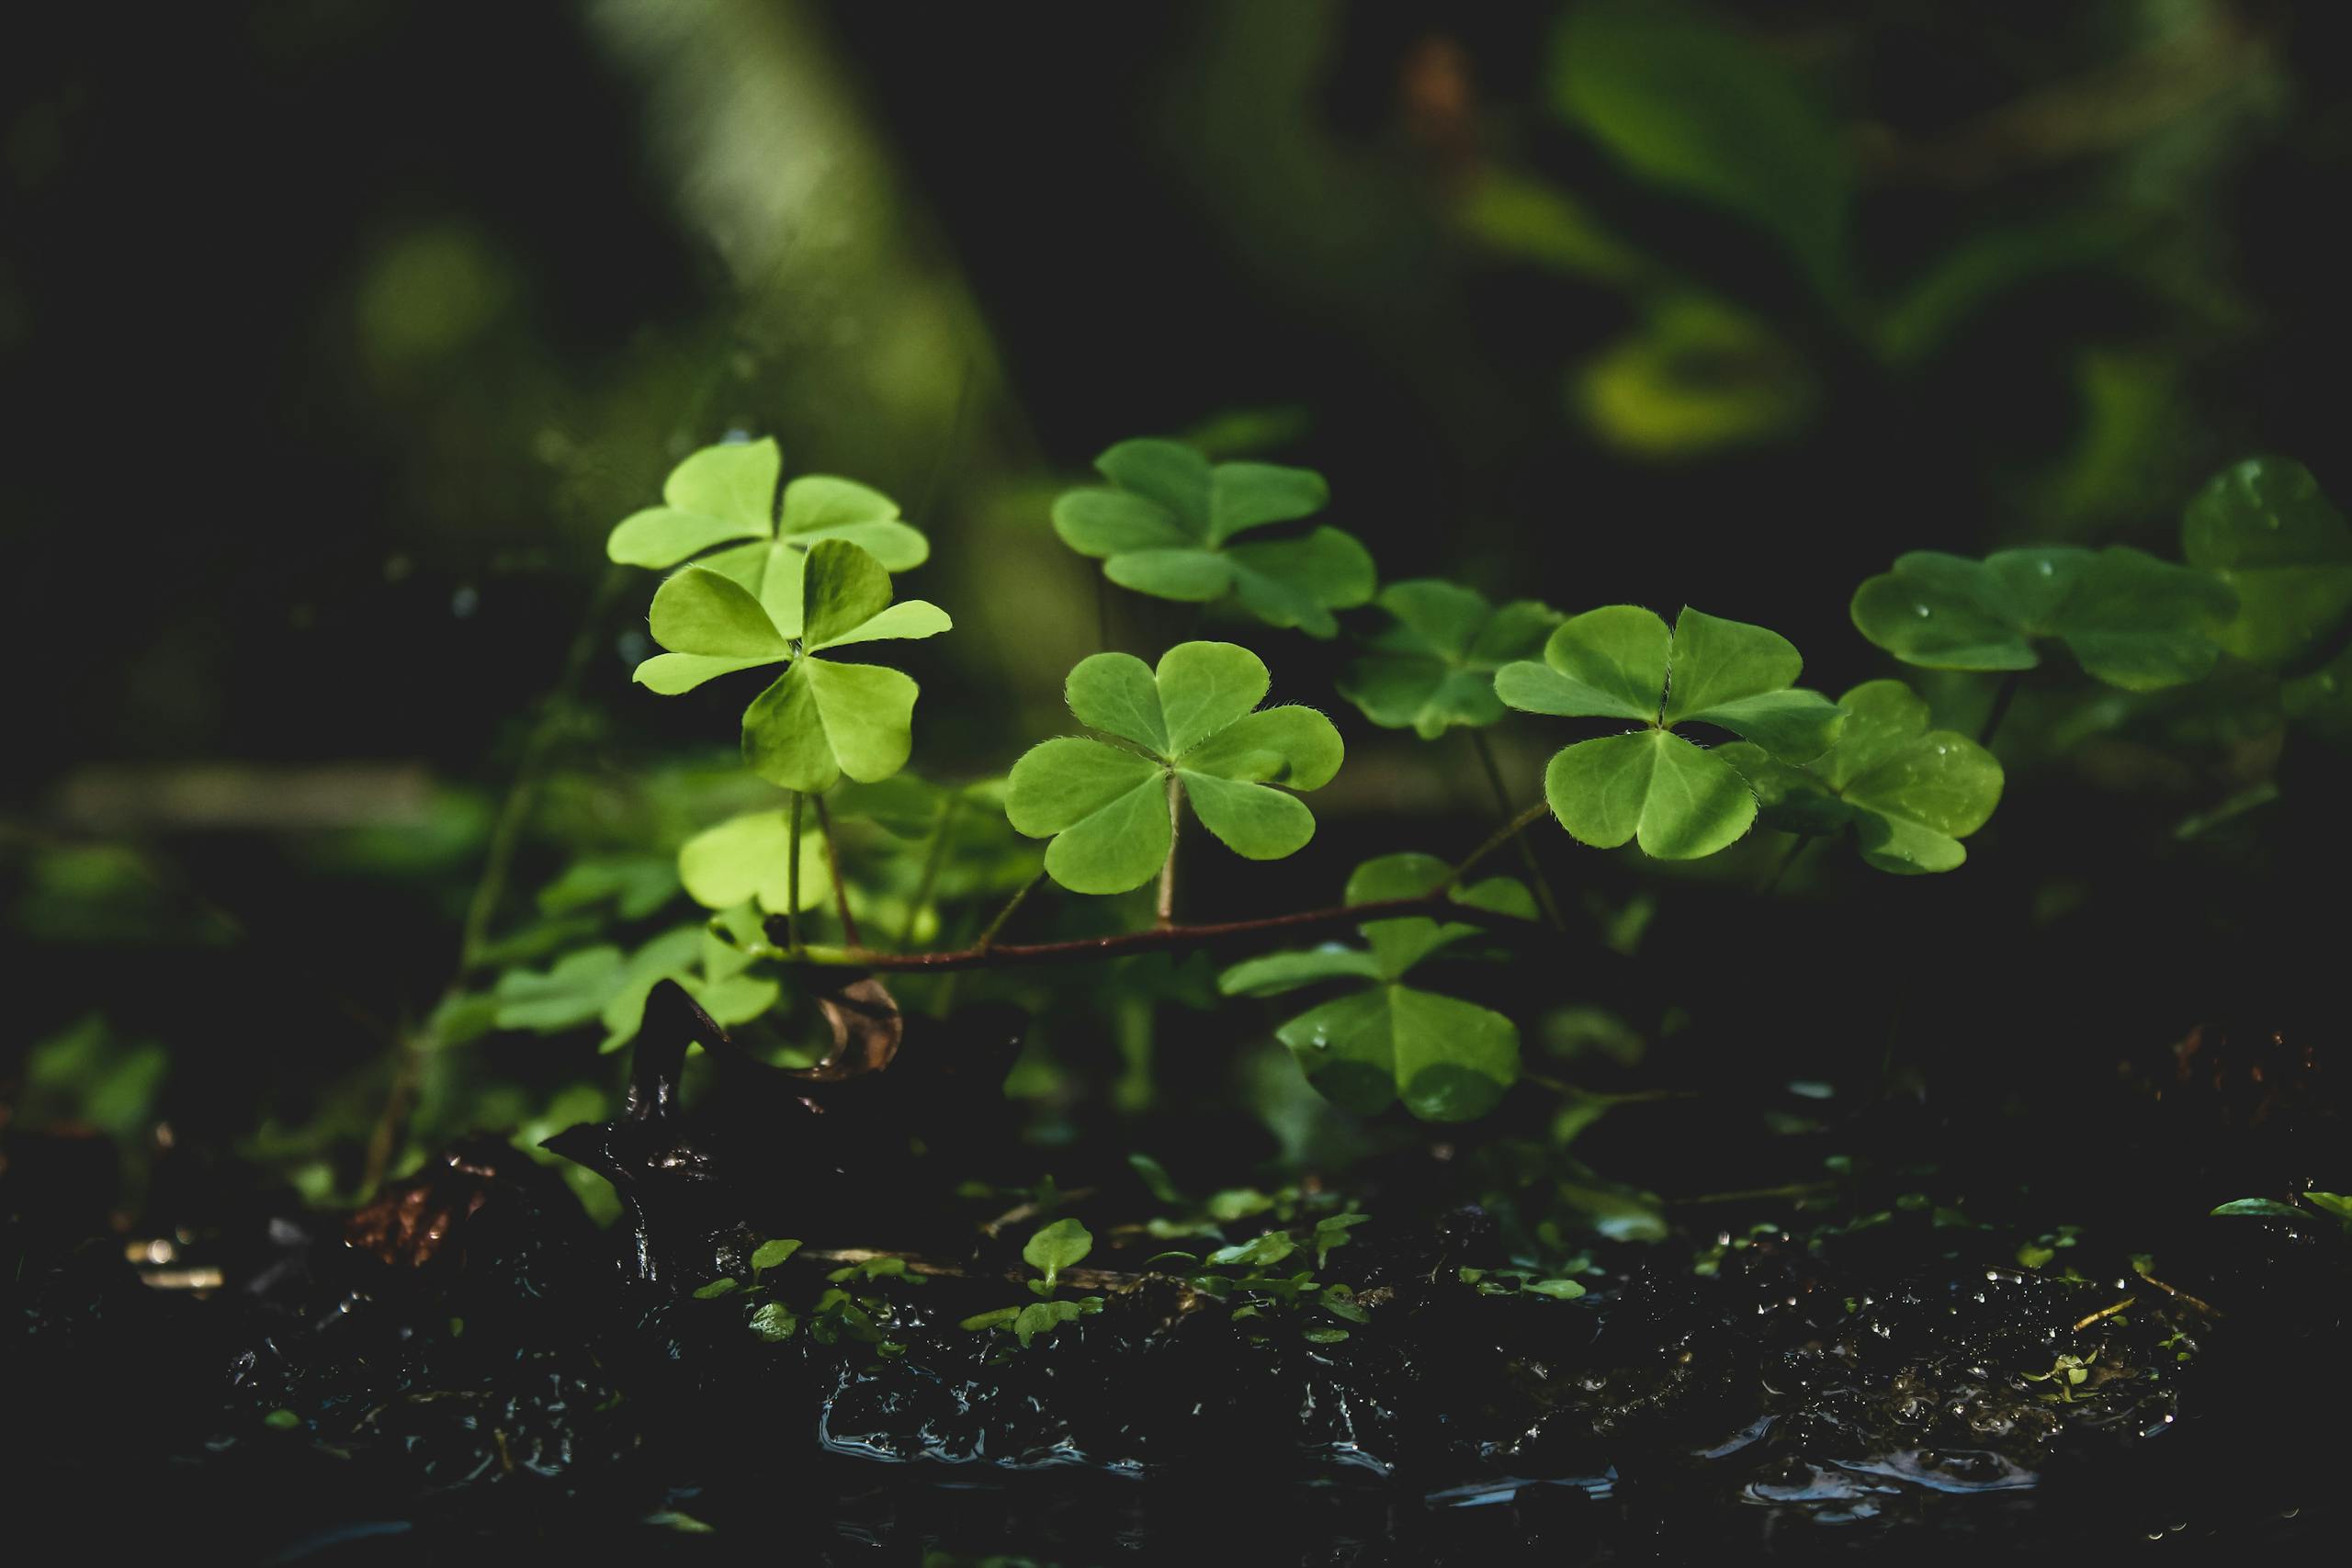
x=1685 y=737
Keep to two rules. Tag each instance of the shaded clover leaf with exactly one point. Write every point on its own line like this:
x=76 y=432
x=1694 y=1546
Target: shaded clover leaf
x=2264 y=529
x=1193 y=726
x=820 y=719
x=726 y=495
x=1448 y=1060
x=1909 y=793
x=606 y=985
x=1680 y=800
x=2130 y=619
x=1435 y=667
x=1166 y=523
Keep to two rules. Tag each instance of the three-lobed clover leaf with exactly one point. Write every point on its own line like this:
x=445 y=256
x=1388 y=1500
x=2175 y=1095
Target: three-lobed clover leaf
x=2130 y=619
x=1448 y=1060
x=604 y=984
x=821 y=718
x=1909 y=793
x=2265 y=529
x=1166 y=523
x=726 y=494
x=1194 y=721
x=748 y=859
x=1435 y=667
x=1679 y=799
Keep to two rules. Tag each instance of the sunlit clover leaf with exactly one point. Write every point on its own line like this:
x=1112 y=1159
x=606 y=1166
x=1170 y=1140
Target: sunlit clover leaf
x=727 y=493
x=2130 y=619
x=748 y=859
x=1677 y=799
x=1434 y=668
x=1194 y=719
x=821 y=718
x=1166 y=523
x=2265 y=529
x=1909 y=793
x=1446 y=1059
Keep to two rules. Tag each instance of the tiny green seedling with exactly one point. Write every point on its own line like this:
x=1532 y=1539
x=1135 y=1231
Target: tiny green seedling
x=1242 y=1276
x=1061 y=1245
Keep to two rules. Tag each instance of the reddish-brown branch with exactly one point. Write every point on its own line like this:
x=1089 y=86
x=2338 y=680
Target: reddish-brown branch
x=1165 y=938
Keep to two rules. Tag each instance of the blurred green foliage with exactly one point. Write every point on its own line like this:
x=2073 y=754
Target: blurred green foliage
x=1586 y=303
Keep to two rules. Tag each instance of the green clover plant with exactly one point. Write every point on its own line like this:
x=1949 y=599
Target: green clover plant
x=821 y=718
x=2128 y=619
x=1193 y=731
x=726 y=495
x=1434 y=668
x=1680 y=800
x=1907 y=792
x=2264 y=529
x=1166 y=523
x=1446 y=1059
x=604 y=984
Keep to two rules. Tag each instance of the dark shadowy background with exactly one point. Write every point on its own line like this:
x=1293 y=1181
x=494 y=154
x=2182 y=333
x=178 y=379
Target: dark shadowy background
x=333 y=337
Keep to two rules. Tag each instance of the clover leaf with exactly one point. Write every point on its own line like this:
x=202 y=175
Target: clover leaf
x=604 y=984
x=2130 y=619
x=1193 y=726
x=2264 y=529
x=1165 y=524
x=1435 y=667
x=1909 y=793
x=748 y=859
x=1679 y=799
x=1448 y=1060
x=728 y=493
x=820 y=719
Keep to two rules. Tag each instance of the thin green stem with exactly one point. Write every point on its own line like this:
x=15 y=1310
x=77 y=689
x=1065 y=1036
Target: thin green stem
x=2005 y=695
x=1166 y=908
x=1543 y=898
x=934 y=857
x=1798 y=844
x=833 y=869
x=792 y=879
x=416 y=1046
x=1494 y=840
x=988 y=933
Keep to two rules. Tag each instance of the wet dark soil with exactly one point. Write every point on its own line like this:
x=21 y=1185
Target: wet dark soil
x=470 y=1370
